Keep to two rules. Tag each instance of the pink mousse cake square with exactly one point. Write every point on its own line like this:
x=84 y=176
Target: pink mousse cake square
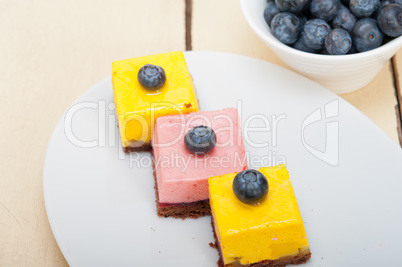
x=181 y=177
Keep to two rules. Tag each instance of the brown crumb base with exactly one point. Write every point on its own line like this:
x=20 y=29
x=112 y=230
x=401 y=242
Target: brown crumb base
x=302 y=257
x=142 y=147
x=191 y=210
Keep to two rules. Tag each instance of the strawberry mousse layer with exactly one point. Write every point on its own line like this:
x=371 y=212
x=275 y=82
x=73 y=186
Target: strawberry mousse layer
x=181 y=176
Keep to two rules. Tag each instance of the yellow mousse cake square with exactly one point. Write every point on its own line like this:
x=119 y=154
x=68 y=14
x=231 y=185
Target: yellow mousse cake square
x=137 y=107
x=270 y=233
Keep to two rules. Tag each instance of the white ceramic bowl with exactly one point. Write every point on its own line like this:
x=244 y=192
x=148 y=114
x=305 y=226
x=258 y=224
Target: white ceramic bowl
x=341 y=74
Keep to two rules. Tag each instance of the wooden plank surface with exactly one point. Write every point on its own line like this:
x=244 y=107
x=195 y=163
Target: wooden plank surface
x=226 y=30
x=53 y=51
x=378 y=101
x=50 y=53
x=397 y=60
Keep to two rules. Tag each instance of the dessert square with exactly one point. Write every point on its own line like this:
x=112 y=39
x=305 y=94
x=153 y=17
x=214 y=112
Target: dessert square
x=270 y=233
x=138 y=107
x=181 y=177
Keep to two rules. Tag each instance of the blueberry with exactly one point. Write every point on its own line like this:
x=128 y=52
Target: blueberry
x=390 y=20
x=315 y=32
x=152 y=77
x=344 y=19
x=306 y=9
x=200 y=140
x=270 y=11
x=323 y=52
x=303 y=19
x=383 y=4
x=250 y=186
x=363 y=8
x=285 y=26
x=294 y=6
x=352 y=50
x=338 y=42
x=366 y=35
x=324 y=9
x=300 y=45
x=387 y=2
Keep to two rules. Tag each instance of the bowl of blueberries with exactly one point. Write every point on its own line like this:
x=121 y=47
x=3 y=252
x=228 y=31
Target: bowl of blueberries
x=341 y=44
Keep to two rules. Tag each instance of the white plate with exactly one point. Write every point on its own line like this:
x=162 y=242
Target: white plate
x=101 y=205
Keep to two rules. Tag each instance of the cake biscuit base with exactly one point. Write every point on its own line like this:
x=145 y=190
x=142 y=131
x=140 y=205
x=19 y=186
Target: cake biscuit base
x=183 y=211
x=300 y=258
x=142 y=147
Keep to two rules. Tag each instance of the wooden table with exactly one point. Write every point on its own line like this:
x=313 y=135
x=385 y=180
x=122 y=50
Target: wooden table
x=53 y=51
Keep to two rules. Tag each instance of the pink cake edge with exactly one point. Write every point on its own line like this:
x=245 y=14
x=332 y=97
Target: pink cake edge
x=191 y=186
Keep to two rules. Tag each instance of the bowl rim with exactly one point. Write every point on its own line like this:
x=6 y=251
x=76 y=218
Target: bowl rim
x=383 y=49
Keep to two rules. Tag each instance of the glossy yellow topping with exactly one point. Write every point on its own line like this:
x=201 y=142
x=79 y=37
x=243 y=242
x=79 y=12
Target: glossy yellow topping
x=266 y=231
x=137 y=108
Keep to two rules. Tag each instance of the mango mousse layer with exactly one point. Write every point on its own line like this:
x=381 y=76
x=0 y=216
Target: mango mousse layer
x=138 y=107
x=270 y=232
